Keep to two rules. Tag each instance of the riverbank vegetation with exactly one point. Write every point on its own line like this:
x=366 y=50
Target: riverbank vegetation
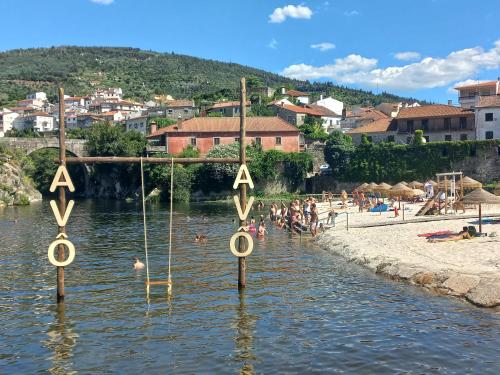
x=285 y=170
x=391 y=162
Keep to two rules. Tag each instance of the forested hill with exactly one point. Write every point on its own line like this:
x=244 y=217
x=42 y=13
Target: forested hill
x=141 y=74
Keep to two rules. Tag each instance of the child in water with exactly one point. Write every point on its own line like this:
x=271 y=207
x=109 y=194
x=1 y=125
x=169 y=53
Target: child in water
x=138 y=265
x=251 y=227
x=262 y=230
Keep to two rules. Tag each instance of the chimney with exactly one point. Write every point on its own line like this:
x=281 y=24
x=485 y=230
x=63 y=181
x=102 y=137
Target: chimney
x=450 y=102
x=154 y=127
x=344 y=113
x=321 y=97
x=179 y=122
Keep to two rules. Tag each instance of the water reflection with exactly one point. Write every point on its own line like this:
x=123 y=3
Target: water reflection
x=62 y=340
x=245 y=328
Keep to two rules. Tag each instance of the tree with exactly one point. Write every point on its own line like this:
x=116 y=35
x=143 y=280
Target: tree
x=418 y=140
x=338 y=152
x=313 y=129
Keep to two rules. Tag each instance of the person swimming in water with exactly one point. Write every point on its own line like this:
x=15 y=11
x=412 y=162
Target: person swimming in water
x=262 y=230
x=200 y=238
x=251 y=227
x=138 y=265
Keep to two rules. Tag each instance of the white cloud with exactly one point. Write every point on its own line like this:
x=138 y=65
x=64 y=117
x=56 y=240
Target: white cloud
x=325 y=46
x=350 y=13
x=407 y=56
x=103 y=2
x=273 y=44
x=430 y=72
x=290 y=11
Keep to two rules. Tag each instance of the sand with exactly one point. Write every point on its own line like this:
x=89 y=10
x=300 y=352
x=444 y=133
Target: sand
x=468 y=269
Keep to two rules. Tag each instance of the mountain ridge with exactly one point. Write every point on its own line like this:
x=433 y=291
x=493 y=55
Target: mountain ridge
x=143 y=73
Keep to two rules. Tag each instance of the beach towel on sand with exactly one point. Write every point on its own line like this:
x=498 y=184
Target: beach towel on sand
x=440 y=233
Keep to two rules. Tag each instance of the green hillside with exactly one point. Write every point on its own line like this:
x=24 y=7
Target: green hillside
x=141 y=74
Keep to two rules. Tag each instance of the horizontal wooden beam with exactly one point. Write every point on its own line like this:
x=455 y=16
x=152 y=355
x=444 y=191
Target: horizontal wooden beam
x=136 y=160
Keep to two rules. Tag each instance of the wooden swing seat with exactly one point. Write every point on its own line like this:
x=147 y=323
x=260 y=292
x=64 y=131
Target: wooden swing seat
x=158 y=282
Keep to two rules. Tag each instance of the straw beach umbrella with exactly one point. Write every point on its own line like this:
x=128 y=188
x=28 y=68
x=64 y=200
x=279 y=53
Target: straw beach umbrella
x=362 y=186
x=432 y=182
x=470 y=183
x=416 y=185
x=372 y=186
x=400 y=190
x=417 y=192
x=480 y=196
x=383 y=187
x=404 y=183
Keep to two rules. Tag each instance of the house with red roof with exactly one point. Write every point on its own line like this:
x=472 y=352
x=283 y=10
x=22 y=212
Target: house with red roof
x=203 y=133
x=438 y=122
x=470 y=93
x=227 y=109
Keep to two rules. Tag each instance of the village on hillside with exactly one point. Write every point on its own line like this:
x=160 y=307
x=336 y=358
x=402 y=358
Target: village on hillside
x=172 y=124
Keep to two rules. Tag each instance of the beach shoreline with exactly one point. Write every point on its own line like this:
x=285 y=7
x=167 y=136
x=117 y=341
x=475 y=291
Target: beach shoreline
x=465 y=269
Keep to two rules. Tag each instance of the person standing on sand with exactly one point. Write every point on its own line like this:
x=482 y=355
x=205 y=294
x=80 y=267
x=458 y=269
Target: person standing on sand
x=314 y=220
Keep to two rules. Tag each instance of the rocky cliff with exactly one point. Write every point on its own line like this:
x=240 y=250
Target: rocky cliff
x=15 y=187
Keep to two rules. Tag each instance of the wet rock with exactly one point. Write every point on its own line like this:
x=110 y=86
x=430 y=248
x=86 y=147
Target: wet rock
x=461 y=284
x=406 y=272
x=15 y=187
x=486 y=294
x=425 y=278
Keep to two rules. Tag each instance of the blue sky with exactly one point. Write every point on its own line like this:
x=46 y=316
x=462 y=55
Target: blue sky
x=411 y=47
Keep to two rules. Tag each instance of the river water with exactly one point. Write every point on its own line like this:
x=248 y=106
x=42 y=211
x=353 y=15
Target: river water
x=304 y=310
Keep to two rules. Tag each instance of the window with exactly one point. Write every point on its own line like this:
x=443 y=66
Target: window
x=488 y=117
x=463 y=122
x=170 y=111
x=425 y=125
x=370 y=139
x=258 y=140
x=463 y=137
x=216 y=141
x=427 y=139
x=390 y=138
x=278 y=141
x=447 y=123
x=447 y=138
x=410 y=126
x=237 y=139
x=193 y=141
x=186 y=110
x=488 y=135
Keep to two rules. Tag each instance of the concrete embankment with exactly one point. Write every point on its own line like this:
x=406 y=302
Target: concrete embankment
x=467 y=269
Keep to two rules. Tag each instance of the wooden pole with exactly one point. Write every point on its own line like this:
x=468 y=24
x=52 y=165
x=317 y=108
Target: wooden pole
x=242 y=278
x=62 y=196
x=403 y=212
x=132 y=160
x=480 y=220
x=445 y=195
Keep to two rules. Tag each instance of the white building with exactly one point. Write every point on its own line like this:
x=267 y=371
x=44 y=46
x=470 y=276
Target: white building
x=298 y=96
x=332 y=104
x=38 y=121
x=109 y=93
x=37 y=95
x=487 y=117
x=7 y=119
x=31 y=103
x=469 y=94
x=138 y=124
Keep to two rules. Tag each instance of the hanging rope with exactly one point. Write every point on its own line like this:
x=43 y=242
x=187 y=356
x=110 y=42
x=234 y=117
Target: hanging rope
x=169 y=285
x=145 y=227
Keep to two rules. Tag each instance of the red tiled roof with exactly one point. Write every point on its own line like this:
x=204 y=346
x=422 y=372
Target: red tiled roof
x=296 y=93
x=179 y=103
x=298 y=109
x=226 y=104
x=381 y=125
x=324 y=110
x=478 y=85
x=229 y=124
x=488 y=101
x=432 y=110
x=39 y=113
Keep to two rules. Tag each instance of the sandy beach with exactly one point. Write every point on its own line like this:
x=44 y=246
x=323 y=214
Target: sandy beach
x=468 y=269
